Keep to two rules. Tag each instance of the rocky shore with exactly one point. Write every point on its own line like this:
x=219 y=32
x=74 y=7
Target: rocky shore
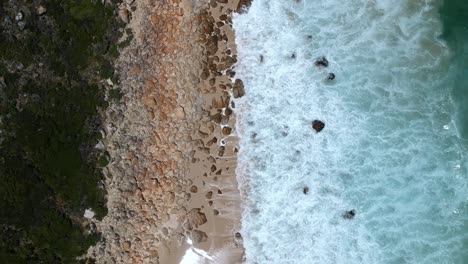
x=171 y=137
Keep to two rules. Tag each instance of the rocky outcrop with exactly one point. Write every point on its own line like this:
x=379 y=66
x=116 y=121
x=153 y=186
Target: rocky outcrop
x=162 y=127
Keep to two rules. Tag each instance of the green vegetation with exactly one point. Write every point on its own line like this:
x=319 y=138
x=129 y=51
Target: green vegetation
x=50 y=95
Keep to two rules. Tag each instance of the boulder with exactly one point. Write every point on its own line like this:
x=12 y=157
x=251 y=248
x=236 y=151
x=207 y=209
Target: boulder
x=41 y=10
x=124 y=15
x=349 y=214
x=226 y=131
x=198 y=236
x=196 y=218
x=318 y=125
x=238 y=89
x=243 y=5
x=322 y=61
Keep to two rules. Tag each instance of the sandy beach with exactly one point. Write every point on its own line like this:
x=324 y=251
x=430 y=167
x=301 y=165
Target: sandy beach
x=171 y=183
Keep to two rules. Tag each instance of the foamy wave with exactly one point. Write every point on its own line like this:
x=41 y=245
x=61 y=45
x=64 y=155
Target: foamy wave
x=384 y=150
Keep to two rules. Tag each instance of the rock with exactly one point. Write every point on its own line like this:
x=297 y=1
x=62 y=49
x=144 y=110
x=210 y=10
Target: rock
x=198 y=236
x=217 y=118
x=89 y=214
x=129 y=2
x=318 y=125
x=187 y=226
x=209 y=195
x=126 y=245
x=22 y=25
x=226 y=131
x=19 y=16
x=322 y=61
x=331 y=76
x=194 y=189
x=195 y=217
x=221 y=151
x=243 y=5
x=223 y=17
x=124 y=15
x=41 y=10
x=238 y=89
x=349 y=214
x=305 y=190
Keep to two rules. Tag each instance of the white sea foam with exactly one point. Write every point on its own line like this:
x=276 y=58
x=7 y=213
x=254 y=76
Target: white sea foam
x=386 y=150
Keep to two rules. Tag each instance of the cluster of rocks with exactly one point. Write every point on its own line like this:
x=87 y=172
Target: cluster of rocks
x=148 y=135
x=175 y=110
x=318 y=126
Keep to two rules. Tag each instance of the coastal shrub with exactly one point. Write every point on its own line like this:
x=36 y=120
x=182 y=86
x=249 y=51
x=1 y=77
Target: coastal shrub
x=51 y=95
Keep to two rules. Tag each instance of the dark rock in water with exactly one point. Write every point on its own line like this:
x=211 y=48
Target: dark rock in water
x=322 y=61
x=318 y=125
x=349 y=214
x=261 y=58
x=243 y=6
x=305 y=190
x=293 y=56
x=238 y=89
x=331 y=76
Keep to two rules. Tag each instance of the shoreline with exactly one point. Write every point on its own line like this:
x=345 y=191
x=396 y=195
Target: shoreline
x=171 y=176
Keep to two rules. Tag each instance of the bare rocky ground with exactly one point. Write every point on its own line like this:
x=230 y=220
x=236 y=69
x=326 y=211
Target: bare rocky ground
x=171 y=137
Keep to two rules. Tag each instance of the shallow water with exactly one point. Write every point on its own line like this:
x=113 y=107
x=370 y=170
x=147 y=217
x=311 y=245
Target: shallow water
x=391 y=148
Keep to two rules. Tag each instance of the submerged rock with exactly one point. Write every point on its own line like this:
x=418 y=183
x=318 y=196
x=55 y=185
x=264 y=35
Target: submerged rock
x=305 y=190
x=322 y=61
x=331 y=76
x=318 y=125
x=349 y=214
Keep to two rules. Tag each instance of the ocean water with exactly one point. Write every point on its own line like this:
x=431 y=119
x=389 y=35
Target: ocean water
x=394 y=143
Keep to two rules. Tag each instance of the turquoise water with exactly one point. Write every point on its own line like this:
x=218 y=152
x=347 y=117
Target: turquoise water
x=393 y=147
x=454 y=15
